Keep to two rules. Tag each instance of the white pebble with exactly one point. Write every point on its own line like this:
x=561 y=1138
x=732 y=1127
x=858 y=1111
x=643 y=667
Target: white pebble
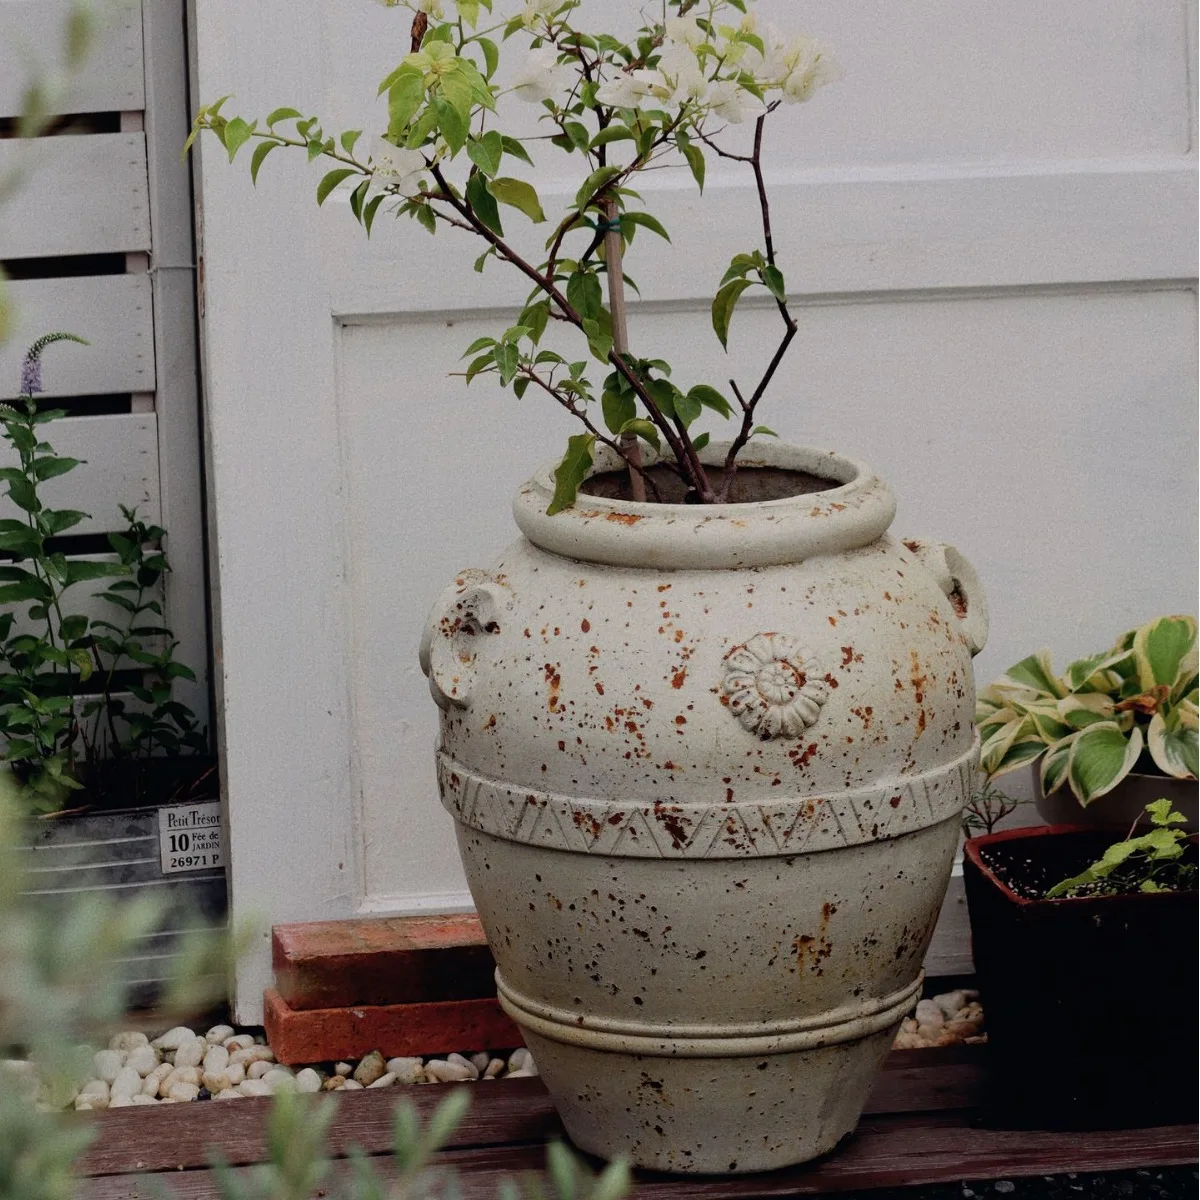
x=183 y=1092
x=253 y=1054
x=106 y=1064
x=217 y=1034
x=480 y=1061
x=308 y=1081
x=239 y=1041
x=120 y=1102
x=370 y=1068
x=406 y=1070
x=343 y=1069
x=174 y=1038
x=217 y=1081
x=519 y=1059
x=143 y=1059
x=254 y=1087
x=352 y=1085
x=128 y=1041
x=127 y=1083
x=191 y=1054
x=236 y=1073
x=950 y=1002
x=334 y=1083
x=520 y=1073
x=256 y=1070
x=383 y=1081
x=279 y=1081
x=459 y=1061
x=95 y=1087
x=216 y=1059
x=448 y=1072
x=928 y=1013
x=90 y=1103
x=144 y=1100
x=228 y=1094
x=493 y=1068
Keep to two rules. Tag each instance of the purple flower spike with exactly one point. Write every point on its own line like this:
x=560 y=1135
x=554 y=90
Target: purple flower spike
x=31 y=375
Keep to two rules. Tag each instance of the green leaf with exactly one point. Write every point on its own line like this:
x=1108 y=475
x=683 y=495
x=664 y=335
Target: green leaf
x=1172 y=745
x=664 y=393
x=349 y=140
x=585 y=294
x=599 y=340
x=516 y=149
x=283 y=114
x=646 y=221
x=81 y=569
x=331 y=180
x=1035 y=672
x=478 y=344
x=368 y=213
x=572 y=471
x=23 y=494
x=535 y=318
x=577 y=134
x=491 y=55
x=28 y=589
x=484 y=204
x=643 y=428
x=619 y=408
x=518 y=194
x=773 y=278
x=507 y=358
x=451 y=122
x=256 y=159
x=1101 y=756
x=59 y=520
x=687 y=407
x=406 y=94
x=711 y=398
x=612 y=133
x=594 y=183
x=1162 y=648
x=695 y=160
x=237 y=134
x=49 y=467
x=486 y=151
x=484 y=362
x=764 y=430
x=723 y=305
x=700 y=441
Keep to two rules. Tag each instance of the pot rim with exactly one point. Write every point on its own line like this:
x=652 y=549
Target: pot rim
x=973 y=846
x=851 y=514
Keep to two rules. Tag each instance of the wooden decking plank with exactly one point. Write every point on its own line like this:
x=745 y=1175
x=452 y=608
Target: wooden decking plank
x=885 y=1152
x=185 y=1136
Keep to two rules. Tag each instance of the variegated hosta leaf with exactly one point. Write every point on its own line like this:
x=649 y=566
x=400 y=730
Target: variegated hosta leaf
x=1017 y=755
x=1048 y=722
x=1173 y=746
x=1101 y=756
x=1165 y=649
x=1034 y=672
x=1185 y=688
x=1054 y=765
x=1079 y=711
x=1095 y=673
x=993 y=750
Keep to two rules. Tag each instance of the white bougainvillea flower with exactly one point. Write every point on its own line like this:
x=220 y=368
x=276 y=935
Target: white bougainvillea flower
x=774 y=686
x=629 y=88
x=397 y=168
x=685 y=30
x=809 y=66
x=734 y=104
x=682 y=77
x=537 y=8
x=541 y=76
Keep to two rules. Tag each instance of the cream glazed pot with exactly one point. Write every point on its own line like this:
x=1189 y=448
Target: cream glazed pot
x=707 y=766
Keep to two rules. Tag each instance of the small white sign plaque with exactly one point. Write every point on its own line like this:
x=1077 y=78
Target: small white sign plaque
x=191 y=837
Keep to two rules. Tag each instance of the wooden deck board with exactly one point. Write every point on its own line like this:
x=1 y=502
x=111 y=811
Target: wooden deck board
x=921 y=1127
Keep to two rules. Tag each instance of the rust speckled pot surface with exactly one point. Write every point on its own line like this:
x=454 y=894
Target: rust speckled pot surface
x=707 y=766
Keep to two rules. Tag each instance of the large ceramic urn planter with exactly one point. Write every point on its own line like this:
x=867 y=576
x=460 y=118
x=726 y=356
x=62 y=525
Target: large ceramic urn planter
x=707 y=766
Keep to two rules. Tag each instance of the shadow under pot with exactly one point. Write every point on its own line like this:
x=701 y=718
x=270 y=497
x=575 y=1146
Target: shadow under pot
x=1090 y=1001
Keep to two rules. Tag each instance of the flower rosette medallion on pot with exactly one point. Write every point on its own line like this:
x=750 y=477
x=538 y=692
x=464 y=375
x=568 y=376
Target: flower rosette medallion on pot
x=707 y=766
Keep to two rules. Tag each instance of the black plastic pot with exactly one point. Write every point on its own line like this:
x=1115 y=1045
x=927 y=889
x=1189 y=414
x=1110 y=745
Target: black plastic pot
x=1091 y=1003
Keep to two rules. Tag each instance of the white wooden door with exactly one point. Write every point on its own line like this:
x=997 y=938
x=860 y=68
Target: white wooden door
x=988 y=227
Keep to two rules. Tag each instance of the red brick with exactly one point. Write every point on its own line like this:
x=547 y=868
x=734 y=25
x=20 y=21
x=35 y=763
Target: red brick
x=382 y=961
x=328 y=1034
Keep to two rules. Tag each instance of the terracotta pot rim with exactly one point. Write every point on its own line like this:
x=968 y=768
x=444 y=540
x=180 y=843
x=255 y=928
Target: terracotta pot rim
x=973 y=846
x=847 y=516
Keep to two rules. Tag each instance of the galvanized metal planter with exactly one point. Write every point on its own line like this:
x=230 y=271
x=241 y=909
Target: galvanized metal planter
x=116 y=854
x=707 y=766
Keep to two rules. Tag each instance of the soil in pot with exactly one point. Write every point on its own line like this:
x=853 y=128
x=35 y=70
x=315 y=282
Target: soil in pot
x=750 y=484
x=1090 y=1001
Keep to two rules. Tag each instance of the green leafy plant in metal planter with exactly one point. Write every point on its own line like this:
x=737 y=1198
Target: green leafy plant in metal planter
x=1134 y=705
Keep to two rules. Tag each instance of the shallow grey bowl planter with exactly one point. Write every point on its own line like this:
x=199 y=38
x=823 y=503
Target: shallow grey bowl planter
x=116 y=854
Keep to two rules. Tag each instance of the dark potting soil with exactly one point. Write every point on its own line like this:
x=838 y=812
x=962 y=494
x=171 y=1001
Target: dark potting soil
x=750 y=484
x=1162 y=1183
x=1032 y=866
x=147 y=783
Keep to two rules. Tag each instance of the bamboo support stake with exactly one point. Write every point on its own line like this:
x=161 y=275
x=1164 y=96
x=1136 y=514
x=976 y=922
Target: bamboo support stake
x=613 y=252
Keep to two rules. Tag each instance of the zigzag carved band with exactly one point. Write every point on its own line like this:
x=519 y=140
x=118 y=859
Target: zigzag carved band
x=801 y=825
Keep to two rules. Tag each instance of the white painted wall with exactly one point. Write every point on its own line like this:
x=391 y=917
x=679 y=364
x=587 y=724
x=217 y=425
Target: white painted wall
x=994 y=265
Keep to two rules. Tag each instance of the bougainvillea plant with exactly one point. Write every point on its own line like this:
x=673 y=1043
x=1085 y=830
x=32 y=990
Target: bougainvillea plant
x=619 y=108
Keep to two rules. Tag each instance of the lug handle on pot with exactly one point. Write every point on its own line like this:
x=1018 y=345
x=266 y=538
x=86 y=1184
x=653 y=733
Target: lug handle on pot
x=466 y=613
x=960 y=585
